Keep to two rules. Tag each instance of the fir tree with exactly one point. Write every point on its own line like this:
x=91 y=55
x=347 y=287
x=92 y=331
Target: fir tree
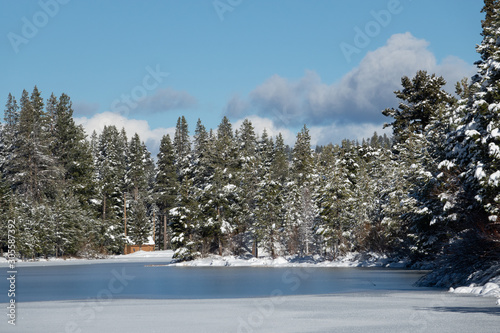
x=111 y=169
x=166 y=184
x=473 y=163
x=139 y=224
x=71 y=149
x=417 y=125
x=182 y=148
x=248 y=180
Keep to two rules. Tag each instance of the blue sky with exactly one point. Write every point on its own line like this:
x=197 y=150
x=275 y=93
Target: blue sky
x=282 y=63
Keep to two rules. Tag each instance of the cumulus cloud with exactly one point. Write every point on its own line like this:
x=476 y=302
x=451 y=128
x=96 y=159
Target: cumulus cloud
x=151 y=137
x=167 y=99
x=358 y=97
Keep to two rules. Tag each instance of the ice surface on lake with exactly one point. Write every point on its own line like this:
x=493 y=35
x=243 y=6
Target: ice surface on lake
x=388 y=312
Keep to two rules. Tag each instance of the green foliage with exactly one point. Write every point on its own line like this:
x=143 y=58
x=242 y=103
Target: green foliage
x=431 y=187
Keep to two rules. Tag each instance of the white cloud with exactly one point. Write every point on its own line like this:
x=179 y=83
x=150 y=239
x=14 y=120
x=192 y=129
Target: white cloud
x=358 y=97
x=151 y=137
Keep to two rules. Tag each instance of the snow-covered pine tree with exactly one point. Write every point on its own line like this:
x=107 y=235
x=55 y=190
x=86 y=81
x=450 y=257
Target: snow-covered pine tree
x=111 y=169
x=469 y=179
x=280 y=166
x=269 y=214
x=247 y=180
x=166 y=185
x=204 y=157
x=472 y=167
x=34 y=170
x=185 y=240
x=138 y=180
x=227 y=195
x=380 y=194
x=420 y=113
x=139 y=224
x=482 y=121
x=302 y=195
x=202 y=166
x=5 y=209
x=182 y=149
x=71 y=149
x=302 y=159
x=9 y=136
x=337 y=198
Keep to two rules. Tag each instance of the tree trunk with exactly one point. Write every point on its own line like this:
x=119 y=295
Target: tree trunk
x=165 y=231
x=255 y=250
x=104 y=209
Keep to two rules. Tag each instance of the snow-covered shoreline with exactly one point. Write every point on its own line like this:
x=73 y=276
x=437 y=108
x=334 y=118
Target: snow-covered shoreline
x=350 y=260
x=490 y=289
x=353 y=259
x=139 y=256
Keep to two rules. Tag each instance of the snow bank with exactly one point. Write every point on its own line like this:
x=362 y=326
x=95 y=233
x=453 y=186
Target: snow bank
x=349 y=260
x=491 y=289
x=156 y=256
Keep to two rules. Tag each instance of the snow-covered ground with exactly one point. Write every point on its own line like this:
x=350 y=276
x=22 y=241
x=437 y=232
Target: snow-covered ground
x=139 y=256
x=350 y=260
x=357 y=312
x=492 y=289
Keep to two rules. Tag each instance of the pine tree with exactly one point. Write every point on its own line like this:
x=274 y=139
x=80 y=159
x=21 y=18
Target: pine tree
x=302 y=212
x=202 y=159
x=139 y=182
x=473 y=163
x=137 y=176
x=302 y=158
x=417 y=125
x=5 y=210
x=71 y=149
x=139 y=223
x=182 y=148
x=33 y=169
x=337 y=203
x=247 y=182
x=9 y=136
x=269 y=214
x=280 y=167
x=111 y=169
x=206 y=215
x=226 y=194
x=166 y=184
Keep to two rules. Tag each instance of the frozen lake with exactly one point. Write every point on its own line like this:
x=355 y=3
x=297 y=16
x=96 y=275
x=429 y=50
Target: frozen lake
x=145 y=297
x=150 y=281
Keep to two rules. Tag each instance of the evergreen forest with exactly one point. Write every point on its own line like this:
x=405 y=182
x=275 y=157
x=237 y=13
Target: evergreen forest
x=430 y=192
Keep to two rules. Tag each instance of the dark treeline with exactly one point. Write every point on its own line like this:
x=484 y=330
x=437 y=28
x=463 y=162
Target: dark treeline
x=431 y=192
